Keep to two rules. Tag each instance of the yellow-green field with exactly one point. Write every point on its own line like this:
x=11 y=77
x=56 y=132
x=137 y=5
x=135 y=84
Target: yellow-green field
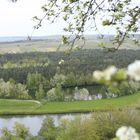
x=33 y=107
x=52 y=45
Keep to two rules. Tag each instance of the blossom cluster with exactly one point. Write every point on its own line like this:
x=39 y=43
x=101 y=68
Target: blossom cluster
x=106 y=74
x=127 y=133
x=132 y=72
x=61 y=62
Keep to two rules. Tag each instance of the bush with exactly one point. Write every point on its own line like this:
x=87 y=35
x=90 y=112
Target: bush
x=124 y=88
x=13 y=90
x=40 y=94
x=81 y=94
x=48 y=129
x=100 y=126
x=55 y=94
x=20 y=132
x=58 y=79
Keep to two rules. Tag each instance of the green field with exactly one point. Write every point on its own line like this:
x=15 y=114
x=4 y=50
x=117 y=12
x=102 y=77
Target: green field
x=32 y=107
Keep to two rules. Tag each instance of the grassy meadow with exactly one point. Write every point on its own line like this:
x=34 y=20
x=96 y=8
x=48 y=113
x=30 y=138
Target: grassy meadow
x=10 y=107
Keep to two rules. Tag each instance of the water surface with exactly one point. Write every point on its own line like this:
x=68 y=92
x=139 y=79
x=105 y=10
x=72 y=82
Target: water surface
x=34 y=122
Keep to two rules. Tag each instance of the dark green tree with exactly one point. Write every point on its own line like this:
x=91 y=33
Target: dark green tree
x=48 y=130
x=34 y=80
x=40 y=94
x=21 y=131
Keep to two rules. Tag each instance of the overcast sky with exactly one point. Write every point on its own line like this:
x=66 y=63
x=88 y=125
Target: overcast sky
x=16 y=19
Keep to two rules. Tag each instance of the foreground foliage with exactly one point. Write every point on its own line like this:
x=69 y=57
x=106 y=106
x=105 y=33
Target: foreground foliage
x=81 y=15
x=98 y=126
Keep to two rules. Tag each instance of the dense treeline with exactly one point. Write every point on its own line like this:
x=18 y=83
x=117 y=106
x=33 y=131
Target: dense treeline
x=17 y=66
x=50 y=75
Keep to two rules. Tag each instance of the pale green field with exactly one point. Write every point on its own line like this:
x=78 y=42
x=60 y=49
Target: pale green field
x=53 y=44
x=28 y=46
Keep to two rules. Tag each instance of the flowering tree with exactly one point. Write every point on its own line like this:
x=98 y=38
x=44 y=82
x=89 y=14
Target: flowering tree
x=81 y=15
x=113 y=74
x=113 y=77
x=81 y=94
x=127 y=133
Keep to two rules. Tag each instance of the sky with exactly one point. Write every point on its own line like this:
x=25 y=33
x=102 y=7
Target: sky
x=16 y=19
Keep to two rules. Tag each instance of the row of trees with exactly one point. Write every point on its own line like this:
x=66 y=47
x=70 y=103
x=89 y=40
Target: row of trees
x=13 y=90
x=38 y=87
x=83 y=61
x=100 y=126
x=63 y=88
x=36 y=82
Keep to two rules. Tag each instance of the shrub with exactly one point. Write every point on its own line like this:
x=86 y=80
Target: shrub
x=13 y=90
x=40 y=94
x=58 y=79
x=55 y=94
x=48 y=129
x=124 y=88
x=100 y=126
x=81 y=94
x=20 y=132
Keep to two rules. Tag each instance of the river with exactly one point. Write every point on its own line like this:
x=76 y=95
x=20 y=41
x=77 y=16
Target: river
x=34 y=122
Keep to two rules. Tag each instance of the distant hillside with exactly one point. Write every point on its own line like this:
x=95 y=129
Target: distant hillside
x=51 y=43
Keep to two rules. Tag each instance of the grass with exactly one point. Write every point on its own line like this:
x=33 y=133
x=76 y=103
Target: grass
x=8 y=106
x=30 y=107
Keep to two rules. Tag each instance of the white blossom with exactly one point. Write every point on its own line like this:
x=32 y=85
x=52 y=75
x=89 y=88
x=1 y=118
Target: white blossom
x=134 y=70
x=81 y=94
x=98 y=75
x=127 y=133
x=99 y=96
x=61 y=62
x=106 y=74
x=109 y=72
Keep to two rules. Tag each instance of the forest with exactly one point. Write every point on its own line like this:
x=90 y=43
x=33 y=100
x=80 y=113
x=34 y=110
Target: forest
x=37 y=73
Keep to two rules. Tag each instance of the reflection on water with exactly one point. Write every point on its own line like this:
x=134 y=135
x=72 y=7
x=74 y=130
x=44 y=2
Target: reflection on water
x=34 y=122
